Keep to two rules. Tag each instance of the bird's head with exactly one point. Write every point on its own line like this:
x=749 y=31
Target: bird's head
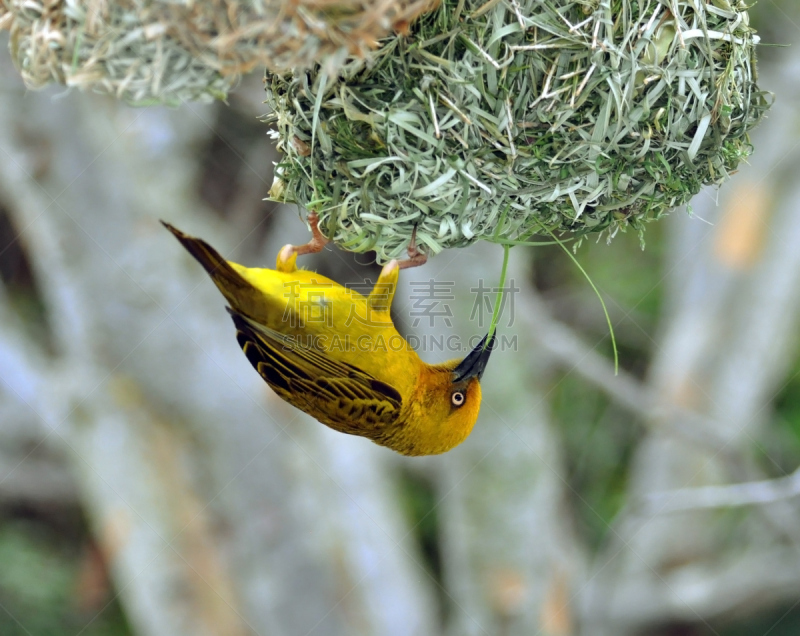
x=450 y=398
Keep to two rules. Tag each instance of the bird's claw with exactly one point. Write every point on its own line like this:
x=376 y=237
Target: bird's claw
x=415 y=256
x=289 y=253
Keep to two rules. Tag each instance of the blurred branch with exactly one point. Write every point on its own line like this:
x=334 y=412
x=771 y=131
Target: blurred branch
x=733 y=333
x=120 y=482
x=730 y=331
x=731 y=495
x=744 y=583
x=569 y=349
x=193 y=474
x=35 y=391
x=32 y=396
x=503 y=489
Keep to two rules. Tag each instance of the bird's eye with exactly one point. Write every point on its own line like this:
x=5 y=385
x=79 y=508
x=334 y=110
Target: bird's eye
x=457 y=398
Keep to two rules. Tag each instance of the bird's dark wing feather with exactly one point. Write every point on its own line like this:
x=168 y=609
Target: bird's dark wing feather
x=338 y=394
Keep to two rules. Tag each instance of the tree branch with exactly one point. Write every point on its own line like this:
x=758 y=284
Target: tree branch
x=728 y=496
x=569 y=349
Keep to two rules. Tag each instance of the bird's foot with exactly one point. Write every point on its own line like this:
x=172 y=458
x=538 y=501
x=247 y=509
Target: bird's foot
x=383 y=293
x=287 y=257
x=415 y=257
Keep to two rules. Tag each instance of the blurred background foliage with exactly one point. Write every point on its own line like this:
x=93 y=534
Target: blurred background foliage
x=53 y=579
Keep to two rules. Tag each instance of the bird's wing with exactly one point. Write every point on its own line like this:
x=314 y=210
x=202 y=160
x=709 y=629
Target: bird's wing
x=338 y=394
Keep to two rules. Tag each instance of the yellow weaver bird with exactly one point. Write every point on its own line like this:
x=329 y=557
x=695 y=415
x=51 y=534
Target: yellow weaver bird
x=335 y=354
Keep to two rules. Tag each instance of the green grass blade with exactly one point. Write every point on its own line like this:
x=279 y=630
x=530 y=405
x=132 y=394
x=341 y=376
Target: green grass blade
x=499 y=298
x=597 y=293
x=530 y=243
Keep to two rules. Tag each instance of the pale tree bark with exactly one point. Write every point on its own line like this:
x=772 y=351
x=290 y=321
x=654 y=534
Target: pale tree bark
x=220 y=509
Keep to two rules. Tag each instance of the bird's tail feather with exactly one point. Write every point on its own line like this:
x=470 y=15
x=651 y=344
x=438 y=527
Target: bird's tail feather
x=226 y=278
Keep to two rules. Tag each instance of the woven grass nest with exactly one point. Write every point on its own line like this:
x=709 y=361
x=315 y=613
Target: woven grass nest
x=166 y=52
x=504 y=119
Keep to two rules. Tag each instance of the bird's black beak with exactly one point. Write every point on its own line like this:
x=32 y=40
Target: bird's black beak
x=474 y=364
